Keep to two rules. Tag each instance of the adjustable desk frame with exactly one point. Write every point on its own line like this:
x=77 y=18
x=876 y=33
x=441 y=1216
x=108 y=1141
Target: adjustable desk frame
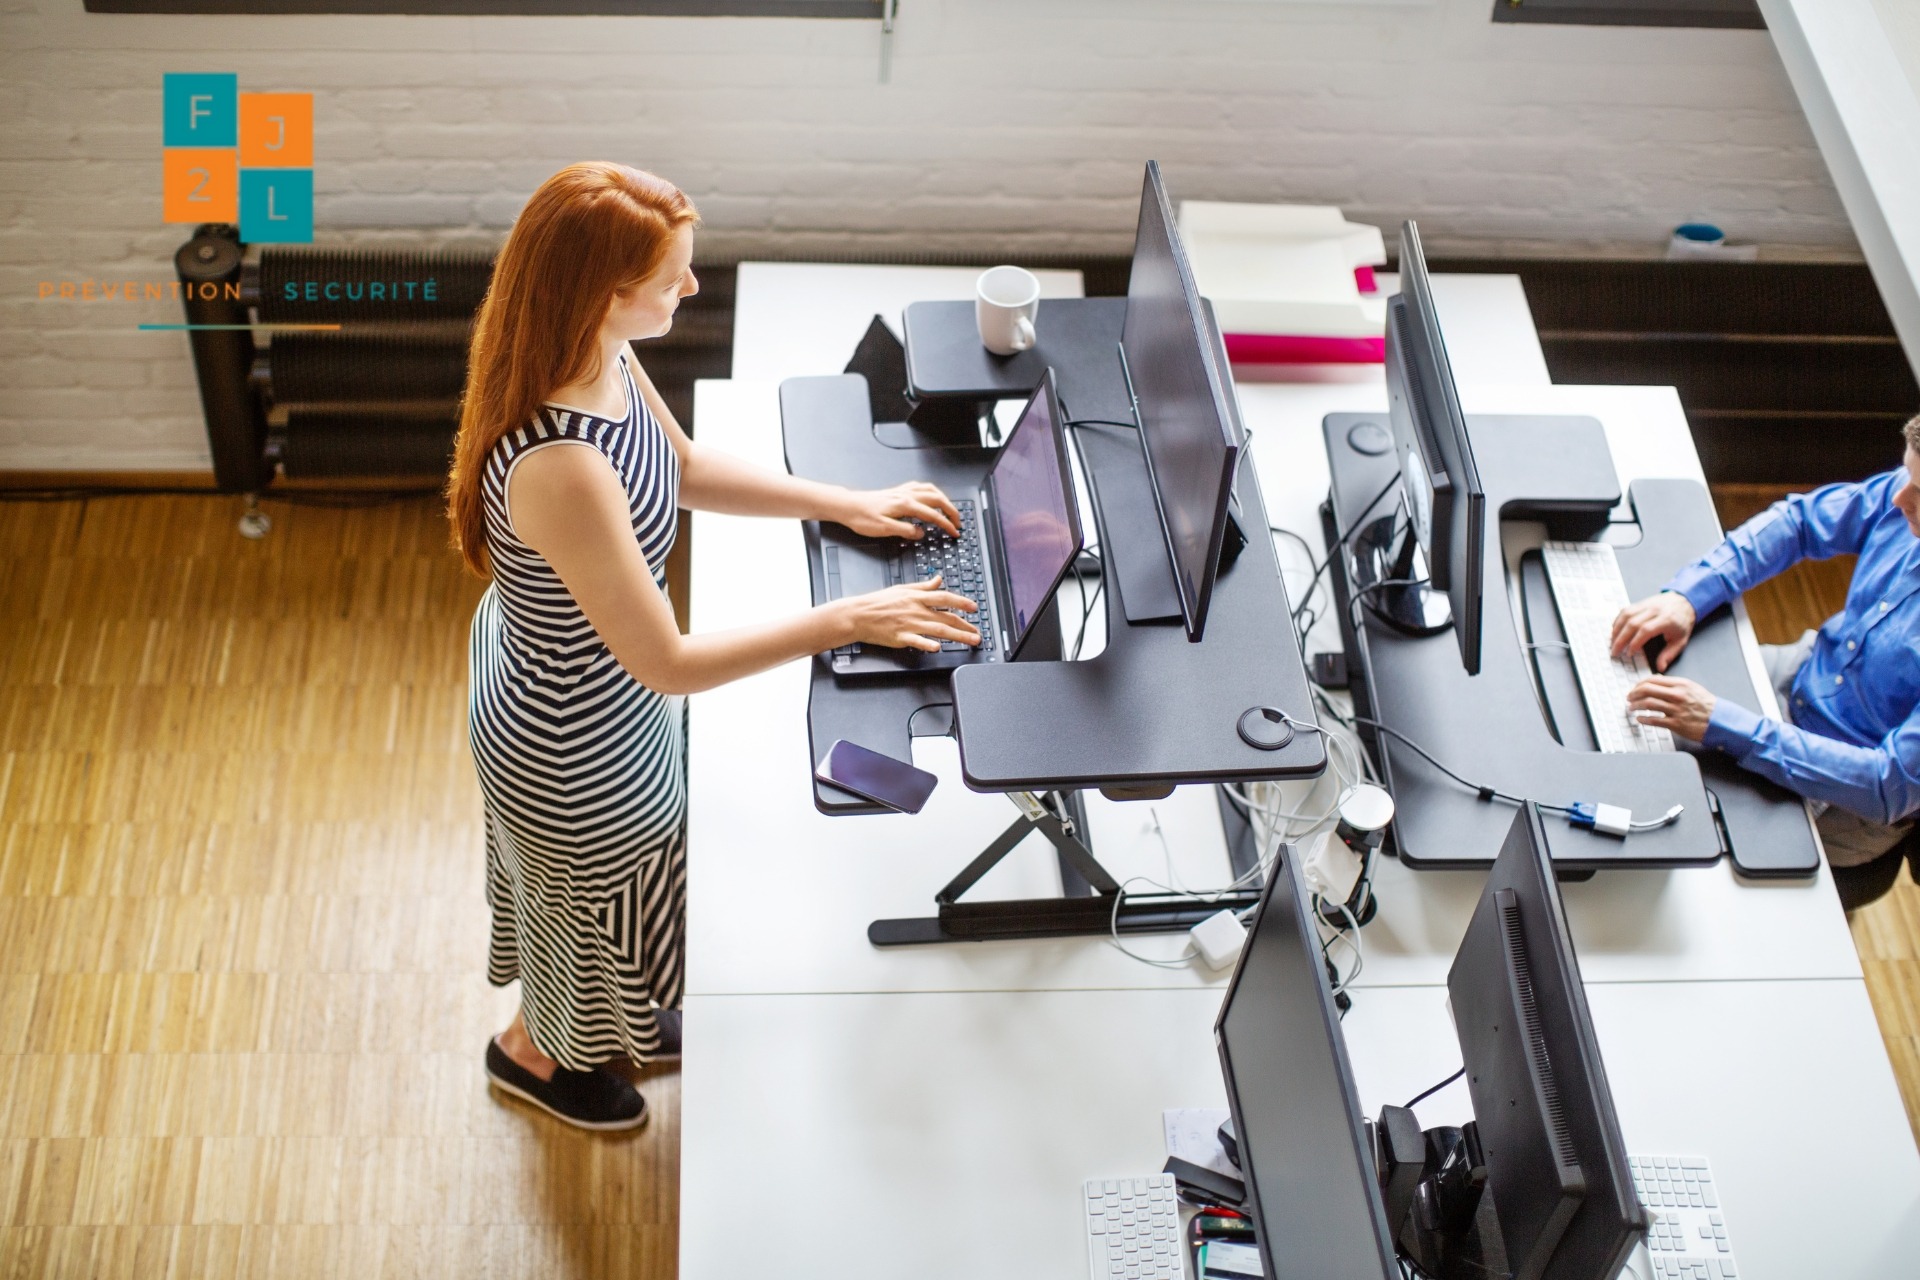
x=1148 y=713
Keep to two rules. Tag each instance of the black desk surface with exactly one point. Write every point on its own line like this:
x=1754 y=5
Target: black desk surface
x=1490 y=727
x=1149 y=709
x=1079 y=337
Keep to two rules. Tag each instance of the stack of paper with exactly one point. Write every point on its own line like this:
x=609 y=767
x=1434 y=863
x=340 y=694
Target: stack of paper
x=1290 y=284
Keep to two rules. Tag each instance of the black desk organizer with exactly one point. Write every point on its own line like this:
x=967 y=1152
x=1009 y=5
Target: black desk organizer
x=1498 y=728
x=1151 y=711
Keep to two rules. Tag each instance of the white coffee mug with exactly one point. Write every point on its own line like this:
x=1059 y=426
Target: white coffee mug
x=1006 y=303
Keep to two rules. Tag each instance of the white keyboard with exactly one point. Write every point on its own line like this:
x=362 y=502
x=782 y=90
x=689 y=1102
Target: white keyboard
x=1687 y=1238
x=1133 y=1229
x=1589 y=593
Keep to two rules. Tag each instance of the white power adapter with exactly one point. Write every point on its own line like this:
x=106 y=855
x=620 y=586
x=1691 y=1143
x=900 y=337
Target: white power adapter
x=1330 y=868
x=1219 y=939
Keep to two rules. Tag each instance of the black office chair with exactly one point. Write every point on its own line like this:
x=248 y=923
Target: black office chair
x=1871 y=881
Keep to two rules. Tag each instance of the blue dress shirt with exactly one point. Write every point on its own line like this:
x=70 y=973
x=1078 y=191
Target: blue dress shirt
x=1855 y=737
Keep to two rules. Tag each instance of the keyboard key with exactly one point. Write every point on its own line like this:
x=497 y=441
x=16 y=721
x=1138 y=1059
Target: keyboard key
x=1687 y=1235
x=1133 y=1229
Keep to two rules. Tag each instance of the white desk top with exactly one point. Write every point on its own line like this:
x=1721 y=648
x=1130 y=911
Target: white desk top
x=954 y=1098
x=755 y=862
x=958 y=1127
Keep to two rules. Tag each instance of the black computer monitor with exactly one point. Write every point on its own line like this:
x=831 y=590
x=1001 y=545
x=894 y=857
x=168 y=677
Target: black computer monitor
x=1297 y=1120
x=1181 y=402
x=1440 y=546
x=1556 y=1163
x=1035 y=514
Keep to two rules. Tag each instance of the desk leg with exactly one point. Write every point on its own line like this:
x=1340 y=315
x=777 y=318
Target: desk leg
x=1090 y=904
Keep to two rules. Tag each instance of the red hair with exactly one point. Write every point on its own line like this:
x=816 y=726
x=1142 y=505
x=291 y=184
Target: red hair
x=590 y=229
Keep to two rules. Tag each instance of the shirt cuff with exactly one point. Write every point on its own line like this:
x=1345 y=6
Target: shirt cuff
x=1701 y=586
x=1731 y=727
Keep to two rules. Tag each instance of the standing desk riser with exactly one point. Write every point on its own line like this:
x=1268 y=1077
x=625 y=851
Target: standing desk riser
x=1149 y=712
x=1493 y=727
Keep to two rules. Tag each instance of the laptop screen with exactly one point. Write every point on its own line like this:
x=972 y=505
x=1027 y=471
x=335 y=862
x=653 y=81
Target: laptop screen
x=1035 y=509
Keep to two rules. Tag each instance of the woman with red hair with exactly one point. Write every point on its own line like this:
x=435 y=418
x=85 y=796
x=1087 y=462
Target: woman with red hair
x=578 y=669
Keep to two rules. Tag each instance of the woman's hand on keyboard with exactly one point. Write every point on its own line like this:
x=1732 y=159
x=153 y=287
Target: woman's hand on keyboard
x=1666 y=617
x=914 y=615
x=891 y=513
x=1681 y=707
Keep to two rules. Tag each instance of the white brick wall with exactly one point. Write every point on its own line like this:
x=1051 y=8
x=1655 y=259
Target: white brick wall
x=1009 y=126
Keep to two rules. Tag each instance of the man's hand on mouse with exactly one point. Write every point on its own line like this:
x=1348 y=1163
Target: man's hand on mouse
x=1668 y=702
x=1666 y=617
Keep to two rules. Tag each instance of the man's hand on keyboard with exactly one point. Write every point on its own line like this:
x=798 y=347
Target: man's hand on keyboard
x=1666 y=617
x=891 y=513
x=1667 y=702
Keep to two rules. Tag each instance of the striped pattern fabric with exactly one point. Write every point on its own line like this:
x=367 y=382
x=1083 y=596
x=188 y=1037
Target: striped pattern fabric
x=583 y=770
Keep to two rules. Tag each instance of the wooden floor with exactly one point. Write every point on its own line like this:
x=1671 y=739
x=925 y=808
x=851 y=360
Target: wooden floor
x=242 y=929
x=242 y=923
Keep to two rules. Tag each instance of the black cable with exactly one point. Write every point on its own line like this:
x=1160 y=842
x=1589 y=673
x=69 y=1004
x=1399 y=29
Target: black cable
x=1358 y=598
x=1300 y=632
x=1288 y=533
x=1422 y=1097
x=1358 y=522
x=1326 y=702
x=1086 y=612
x=1485 y=792
x=1102 y=422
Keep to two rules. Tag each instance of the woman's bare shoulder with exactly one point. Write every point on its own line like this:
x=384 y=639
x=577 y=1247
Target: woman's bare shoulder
x=557 y=483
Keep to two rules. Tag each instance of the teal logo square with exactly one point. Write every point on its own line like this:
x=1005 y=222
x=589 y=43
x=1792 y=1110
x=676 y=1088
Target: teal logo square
x=201 y=110
x=276 y=206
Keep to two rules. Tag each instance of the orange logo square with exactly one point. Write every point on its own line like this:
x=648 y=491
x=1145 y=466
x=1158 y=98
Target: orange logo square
x=276 y=130
x=200 y=184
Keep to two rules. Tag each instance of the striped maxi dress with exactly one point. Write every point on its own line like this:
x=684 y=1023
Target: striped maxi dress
x=582 y=768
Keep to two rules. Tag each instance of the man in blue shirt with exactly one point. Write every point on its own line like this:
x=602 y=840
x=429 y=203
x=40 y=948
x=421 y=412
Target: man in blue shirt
x=1849 y=694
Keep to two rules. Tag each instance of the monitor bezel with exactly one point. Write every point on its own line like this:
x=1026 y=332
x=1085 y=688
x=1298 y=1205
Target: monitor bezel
x=1194 y=604
x=1003 y=583
x=1285 y=865
x=1460 y=571
x=1525 y=866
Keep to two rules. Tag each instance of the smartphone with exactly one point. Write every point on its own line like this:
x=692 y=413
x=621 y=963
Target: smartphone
x=875 y=777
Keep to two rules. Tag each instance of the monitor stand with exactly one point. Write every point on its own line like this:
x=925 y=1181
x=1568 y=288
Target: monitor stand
x=1390 y=575
x=1434 y=1184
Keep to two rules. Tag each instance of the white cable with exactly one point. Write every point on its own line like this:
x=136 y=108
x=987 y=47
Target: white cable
x=1347 y=763
x=1666 y=819
x=1177 y=886
x=1349 y=935
x=1273 y=825
x=1113 y=930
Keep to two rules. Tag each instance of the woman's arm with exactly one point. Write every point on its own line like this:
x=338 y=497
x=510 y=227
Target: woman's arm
x=567 y=504
x=714 y=481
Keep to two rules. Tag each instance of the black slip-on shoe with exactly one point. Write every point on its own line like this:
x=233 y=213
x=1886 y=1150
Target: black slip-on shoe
x=586 y=1099
x=669 y=1020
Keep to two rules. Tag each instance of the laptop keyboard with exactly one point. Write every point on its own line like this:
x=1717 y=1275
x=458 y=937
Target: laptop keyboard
x=958 y=562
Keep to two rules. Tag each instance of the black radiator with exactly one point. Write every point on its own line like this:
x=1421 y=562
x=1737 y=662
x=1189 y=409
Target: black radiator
x=376 y=397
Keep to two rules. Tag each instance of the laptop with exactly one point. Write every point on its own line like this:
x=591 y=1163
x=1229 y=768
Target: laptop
x=1019 y=534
